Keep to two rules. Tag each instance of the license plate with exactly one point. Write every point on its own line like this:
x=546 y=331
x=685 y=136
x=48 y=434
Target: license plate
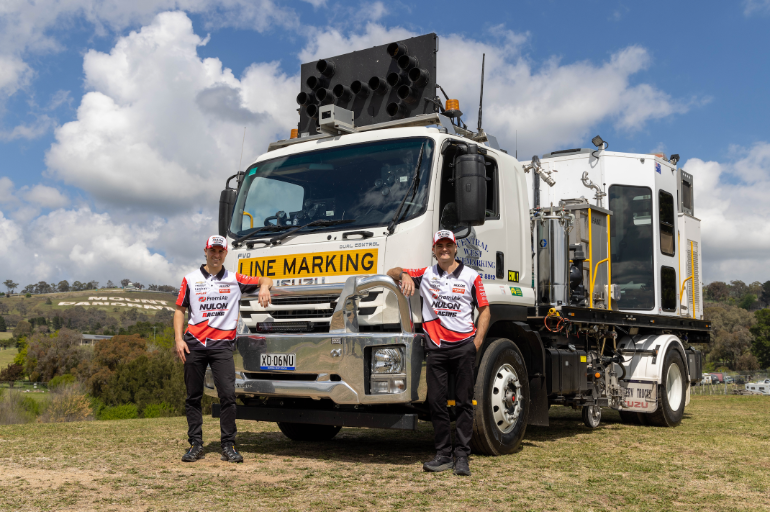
x=277 y=361
x=640 y=396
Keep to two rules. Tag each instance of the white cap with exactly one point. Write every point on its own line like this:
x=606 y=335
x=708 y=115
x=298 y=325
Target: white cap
x=444 y=234
x=216 y=241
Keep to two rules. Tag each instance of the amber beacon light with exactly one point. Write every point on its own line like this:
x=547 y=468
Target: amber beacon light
x=294 y=133
x=452 y=104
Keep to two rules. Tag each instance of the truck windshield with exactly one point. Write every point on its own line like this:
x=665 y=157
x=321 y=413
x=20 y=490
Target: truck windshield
x=363 y=182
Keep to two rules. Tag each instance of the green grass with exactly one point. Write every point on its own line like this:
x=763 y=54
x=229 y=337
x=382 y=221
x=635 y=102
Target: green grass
x=6 y=335
x=718 y=459
x=6 y=356
x=36 y=303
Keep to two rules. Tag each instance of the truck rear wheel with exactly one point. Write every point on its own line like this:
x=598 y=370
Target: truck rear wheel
x=671 y=392
x=308 y=432
x=502 y=396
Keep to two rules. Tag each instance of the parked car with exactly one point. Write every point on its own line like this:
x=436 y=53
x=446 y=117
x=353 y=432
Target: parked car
x=729 y=379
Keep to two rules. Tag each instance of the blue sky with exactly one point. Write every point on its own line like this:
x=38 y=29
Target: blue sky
x=104 y=135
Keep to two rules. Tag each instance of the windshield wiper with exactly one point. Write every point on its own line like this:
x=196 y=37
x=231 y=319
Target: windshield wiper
x=254 y=231
x=319 y=222
x=412 y=186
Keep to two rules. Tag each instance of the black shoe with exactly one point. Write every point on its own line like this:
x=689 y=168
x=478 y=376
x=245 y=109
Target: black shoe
x=439 y=463
x=229 y=453
x=461 y=467
x=194 y=453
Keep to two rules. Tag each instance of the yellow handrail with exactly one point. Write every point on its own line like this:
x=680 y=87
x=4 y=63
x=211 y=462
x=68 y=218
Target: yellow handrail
x=593 y=281
x=590 y=254
x=251 y=219
x=609 y=266
x=692 y=269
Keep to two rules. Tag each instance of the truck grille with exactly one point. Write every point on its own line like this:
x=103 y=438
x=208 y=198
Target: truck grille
x=310 y=313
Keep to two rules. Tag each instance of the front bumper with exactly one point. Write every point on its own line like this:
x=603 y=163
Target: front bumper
x=333 y=365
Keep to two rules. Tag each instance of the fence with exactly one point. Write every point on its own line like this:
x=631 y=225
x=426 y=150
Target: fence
x=25 y=385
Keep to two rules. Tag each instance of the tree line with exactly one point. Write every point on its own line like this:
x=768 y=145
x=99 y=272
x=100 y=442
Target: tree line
x=77 y=286
x=737 y=293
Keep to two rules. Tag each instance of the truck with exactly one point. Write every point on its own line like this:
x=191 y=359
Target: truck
x=590 y=260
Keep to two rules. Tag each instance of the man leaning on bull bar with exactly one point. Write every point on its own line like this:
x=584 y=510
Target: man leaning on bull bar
x=449 y=292
x=212 y=295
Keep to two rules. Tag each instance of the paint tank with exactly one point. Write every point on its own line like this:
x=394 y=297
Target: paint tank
x=552 y=258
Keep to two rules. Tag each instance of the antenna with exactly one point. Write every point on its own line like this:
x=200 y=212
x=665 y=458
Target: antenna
x=241 y=159
x=517 y=144
x=481 y=95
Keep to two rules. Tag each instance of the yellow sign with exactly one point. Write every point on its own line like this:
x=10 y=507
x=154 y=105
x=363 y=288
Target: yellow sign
x=513 y=276
x=337 y=263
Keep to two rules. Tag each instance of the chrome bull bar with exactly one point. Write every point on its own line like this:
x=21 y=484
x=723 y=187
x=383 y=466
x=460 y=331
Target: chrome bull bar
x=333 y=365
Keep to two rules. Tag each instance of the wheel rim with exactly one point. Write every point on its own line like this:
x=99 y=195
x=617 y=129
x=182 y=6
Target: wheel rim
x=674 y=387
x=594 y=415
x=506 y=398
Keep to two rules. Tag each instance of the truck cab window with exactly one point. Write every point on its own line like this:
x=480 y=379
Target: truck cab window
x=632 y=246
x=666 y=212
x=668 y=289
x=362 y=183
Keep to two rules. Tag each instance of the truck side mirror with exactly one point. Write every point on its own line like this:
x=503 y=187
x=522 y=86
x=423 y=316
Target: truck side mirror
x=470 y=187
x=226 y=206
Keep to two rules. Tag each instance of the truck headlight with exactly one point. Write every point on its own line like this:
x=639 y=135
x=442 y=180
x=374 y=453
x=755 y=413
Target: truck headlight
x=387 y=385
x=387 y=360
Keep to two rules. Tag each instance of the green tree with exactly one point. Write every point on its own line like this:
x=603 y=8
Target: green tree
x=10 y=285
x=748 y=302
x=730 y=335
x=760 y=346
x=23 y=328
x=63 y=286
x=3 y=327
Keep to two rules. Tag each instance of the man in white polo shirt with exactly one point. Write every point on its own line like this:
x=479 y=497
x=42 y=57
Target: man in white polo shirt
x=449 y=292
x=212 y=295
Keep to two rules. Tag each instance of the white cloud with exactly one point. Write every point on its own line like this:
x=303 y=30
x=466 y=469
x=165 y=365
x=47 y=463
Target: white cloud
x=751 y=7
x=731 y=201
x=162 y=128
x=39 y=127
x=45 y=197
x=14 y=74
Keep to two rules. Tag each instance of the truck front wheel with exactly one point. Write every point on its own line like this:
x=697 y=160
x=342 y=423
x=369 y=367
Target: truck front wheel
x=308 y=432
x=502 y=395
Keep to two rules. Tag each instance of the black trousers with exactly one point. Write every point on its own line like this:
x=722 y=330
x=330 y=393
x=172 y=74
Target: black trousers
x=457 y=361
x=223 y=368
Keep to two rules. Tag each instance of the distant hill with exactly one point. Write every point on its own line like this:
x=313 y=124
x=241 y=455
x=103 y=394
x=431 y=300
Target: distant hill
x=97 y=305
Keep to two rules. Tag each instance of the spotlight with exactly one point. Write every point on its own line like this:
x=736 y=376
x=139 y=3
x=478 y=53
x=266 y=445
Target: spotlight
x=396 y=50
x=597 y=141
x=312 y=110
x=395 y=79
x=315 y=82
x=360 y=89
x=324 y=95
x=397 y=110
x=304 y=98
x=406 y=62
x=378 y=85
x=325 y=67
x=342 y=93
x=408 y=94
x=674 y=158
x=419 y=77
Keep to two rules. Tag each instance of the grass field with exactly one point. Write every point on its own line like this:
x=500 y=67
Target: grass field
x=6 y=356
x=718 y=459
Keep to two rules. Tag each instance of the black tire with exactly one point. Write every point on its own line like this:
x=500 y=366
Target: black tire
x=629 y=417
x=666 y=415
x=308 y=432
x=502 y=361
x=592 y=416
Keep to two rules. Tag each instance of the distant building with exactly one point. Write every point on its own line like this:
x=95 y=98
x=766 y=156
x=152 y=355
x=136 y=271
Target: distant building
x=90 y=339
x=131 y=288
